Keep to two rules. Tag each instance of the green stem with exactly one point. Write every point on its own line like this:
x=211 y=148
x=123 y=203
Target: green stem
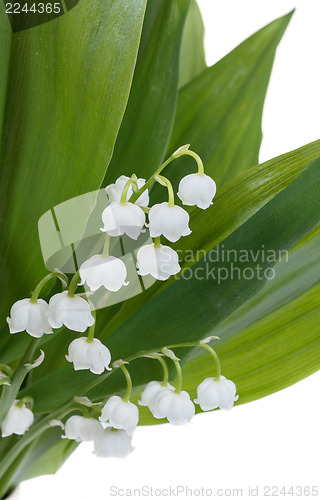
x=73 y=284
x=178 y=383
x=165 y=368
x=124 y=193
x=6 y=369
x=129 y=383
x=165 y=182
x=157 y=242
x=138 y=193
x=198 y=160
x=177 y=154
x=26 y=400
x=106 y=248
x=209 y=349
x=92 y=328
x=9 y=393
x=43 y=282
x=216 y=360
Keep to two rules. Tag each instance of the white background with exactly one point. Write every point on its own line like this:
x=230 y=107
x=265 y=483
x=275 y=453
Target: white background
x=273 y=441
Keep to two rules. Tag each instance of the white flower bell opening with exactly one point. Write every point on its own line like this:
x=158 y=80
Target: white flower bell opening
x=150 y=393
x=197 y=189
x=82 y=428
x=114 y=191
x=120 y=414
x=29 y=316
x=159 y=261
x=113 y=443
x=170 y=221
x=89 y=355
x=73 y=312
x=119 y=219
x=216 y=394
x=18 y=420
x=109 y=272
x=177 y=407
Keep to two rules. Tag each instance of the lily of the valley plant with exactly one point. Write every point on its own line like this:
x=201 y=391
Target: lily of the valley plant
x=215 y=258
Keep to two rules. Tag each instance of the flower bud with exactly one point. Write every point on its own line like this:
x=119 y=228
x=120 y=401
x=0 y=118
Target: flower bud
x=121 y=219
x=32 y=317
x=18 y=420
x=98 y=271
x=150 y=393
x=120 y=414
x=113 y=443
x=177 y=407
x=89 y=355
x=216 y=394
x=161 y=262
x=82 y=428
x=197 y=189
x=171 y=221
x=73 y=312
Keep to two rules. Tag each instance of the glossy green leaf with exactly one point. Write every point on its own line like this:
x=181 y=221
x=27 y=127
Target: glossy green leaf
x=219 y=112
x=65 y=86
x=192 y=56
x=190 y=309
x=146 y=128
x=273 y=333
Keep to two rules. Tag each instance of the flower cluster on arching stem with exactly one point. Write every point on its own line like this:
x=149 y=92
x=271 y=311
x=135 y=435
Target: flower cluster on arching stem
x=110 y=424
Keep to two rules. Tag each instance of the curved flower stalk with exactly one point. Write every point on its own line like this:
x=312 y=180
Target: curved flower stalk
x=114 y=191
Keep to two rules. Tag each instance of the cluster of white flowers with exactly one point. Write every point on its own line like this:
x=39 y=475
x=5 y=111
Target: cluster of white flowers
x=125 y=215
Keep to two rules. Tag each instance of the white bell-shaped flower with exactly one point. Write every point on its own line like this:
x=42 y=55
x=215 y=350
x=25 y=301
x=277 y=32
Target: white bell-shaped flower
x=171 y=221
x=120 y=414
x=32 y=317
x=82 y=428
x=216 y=394
x=18 y=420
x=150 y=393
x=73 y=312
x=159 y=261
x=177 y=407
x=113 y=443
x=89 y=355
x=119 y=219
x=197 y=189
x=98 y=271
x=114 y=191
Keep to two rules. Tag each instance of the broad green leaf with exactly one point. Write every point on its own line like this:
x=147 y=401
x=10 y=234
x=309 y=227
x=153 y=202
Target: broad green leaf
x=272 y=322
x=190 y=309
x=145 y=130
x=219 y=112
x=192 y=56
x=67 y=83
x=46 y=455
x=271 y=354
